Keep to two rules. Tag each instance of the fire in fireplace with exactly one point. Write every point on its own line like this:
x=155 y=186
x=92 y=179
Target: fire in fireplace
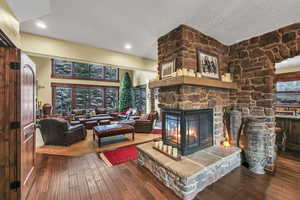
x=187 y=130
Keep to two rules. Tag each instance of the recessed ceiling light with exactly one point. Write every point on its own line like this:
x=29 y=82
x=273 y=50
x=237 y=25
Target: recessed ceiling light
x=41 y=24
x=128 y=46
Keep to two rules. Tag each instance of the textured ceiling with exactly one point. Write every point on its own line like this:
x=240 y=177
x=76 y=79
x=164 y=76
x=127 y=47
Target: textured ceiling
x=112 y=23
x=29 y=9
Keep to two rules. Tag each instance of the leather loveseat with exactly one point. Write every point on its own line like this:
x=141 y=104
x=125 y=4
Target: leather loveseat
x=145 y=123
x=56 y=131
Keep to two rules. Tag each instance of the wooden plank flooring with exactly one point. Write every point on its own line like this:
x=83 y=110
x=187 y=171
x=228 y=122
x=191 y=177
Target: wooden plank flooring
x=87 y=177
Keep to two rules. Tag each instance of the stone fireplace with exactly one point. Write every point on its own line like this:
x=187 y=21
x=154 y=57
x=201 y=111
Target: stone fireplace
x=187 y=130
x=251 y=64
x=192 y=118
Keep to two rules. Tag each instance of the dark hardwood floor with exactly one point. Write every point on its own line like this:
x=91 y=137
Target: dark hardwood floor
x=87 y=177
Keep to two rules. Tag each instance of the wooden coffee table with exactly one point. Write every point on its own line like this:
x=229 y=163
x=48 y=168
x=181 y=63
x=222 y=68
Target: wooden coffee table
x=111 y=130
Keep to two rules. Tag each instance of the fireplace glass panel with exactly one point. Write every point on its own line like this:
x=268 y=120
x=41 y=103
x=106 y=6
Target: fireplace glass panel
x=192 y=129
x=188 y=130
x=173 y=128
x=206 y=136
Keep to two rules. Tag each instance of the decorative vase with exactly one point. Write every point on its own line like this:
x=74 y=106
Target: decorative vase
x=255 y=147
x=235 y=118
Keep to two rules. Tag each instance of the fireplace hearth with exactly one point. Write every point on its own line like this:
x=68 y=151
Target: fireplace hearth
x=187 y=130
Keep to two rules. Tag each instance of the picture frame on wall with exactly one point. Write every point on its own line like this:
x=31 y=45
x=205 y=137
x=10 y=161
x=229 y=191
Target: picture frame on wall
x=167 y=68
x=208 y=64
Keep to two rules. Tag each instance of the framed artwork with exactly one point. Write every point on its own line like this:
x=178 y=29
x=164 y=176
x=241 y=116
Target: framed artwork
x=208 y=65
x=167 y=69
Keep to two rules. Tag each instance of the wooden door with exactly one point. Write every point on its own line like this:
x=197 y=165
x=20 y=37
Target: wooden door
x=9 y=117
x=28 y=160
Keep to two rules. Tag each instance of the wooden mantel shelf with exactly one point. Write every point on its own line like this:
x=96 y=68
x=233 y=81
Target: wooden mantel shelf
x=188 y=80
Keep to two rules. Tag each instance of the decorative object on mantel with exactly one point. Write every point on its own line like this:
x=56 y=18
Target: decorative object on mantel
x=226 y=77
x=187 y=80
x=171 y=152
x=184 y=72
x=156 y=78
x=167 y=69
x=208 y=64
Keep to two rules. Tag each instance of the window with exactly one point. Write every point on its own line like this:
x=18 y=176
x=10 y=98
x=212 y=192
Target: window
x=70 y=96
x=288 y=92
x=81 y=70
x=110 y=97
x=63 y=100
x=140 y=99
x=62 y=68
x=76 y=70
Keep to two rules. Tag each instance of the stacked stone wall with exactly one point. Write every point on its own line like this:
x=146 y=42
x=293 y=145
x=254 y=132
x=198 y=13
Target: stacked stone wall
x=251 y=62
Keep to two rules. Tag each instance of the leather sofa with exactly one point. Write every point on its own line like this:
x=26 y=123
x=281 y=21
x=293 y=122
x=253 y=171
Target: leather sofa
x=57 y=131
x=145 y=123
x=96 y=111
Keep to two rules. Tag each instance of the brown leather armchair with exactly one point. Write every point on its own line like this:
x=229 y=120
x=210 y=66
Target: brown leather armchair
x=145 y=123
x=58 y=132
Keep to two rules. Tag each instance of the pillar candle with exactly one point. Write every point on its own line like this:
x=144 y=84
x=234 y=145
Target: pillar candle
x=175 y=152
x=170 y=150
x=184 y=72
x=165 y=148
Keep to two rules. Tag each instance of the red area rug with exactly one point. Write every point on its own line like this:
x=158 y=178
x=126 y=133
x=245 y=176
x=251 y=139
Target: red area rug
x=119 y=156
x=156 y=131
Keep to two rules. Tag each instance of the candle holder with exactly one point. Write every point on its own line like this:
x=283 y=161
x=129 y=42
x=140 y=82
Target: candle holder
x=169 y=151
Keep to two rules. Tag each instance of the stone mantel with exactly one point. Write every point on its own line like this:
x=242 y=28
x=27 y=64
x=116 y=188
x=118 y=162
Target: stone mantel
x=188 y=80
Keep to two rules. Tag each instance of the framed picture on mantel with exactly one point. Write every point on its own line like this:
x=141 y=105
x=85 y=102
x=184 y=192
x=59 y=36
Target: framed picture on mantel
x=167 y=68
x=208 y=64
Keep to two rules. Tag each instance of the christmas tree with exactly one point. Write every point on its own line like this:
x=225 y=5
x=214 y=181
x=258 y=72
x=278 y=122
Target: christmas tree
x=126 y=93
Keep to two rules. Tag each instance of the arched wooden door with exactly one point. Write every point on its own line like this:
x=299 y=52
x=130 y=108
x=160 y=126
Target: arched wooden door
x=28 y=160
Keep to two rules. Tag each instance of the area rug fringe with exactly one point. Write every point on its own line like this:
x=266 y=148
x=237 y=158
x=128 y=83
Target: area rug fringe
x=106 y=161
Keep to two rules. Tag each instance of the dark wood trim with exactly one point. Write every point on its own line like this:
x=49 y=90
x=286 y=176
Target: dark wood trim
x=81 y=85
x=282 y=92
x=81 y=78
x=288 y=105
x=5 y=41
x=74 y=97
x=285 y=77
x=87 y=79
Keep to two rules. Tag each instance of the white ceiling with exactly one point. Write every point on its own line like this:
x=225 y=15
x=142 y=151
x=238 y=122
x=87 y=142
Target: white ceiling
x=29 y=9
x=112 y=23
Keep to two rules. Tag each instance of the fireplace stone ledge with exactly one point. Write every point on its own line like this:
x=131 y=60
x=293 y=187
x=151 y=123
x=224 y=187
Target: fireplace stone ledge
x=194 y=172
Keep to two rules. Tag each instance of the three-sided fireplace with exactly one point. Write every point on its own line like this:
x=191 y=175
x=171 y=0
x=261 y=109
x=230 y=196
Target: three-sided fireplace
x=187 y=130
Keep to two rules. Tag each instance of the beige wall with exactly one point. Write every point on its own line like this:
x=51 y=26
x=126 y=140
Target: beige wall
x=45 y=46
x=143 y=78
x=44 y=90
x=9 y=23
